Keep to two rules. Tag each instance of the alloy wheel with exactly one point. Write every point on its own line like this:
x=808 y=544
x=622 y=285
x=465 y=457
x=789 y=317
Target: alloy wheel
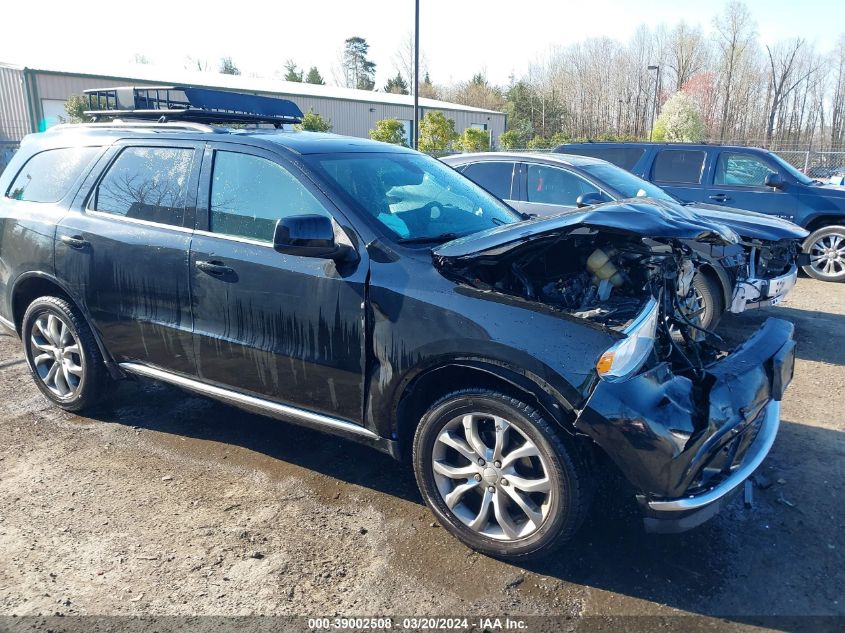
x=492 y=476
x=827 y=254
x=56 y=355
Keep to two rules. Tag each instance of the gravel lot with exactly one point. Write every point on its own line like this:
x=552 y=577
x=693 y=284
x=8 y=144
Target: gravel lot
x=162 y=503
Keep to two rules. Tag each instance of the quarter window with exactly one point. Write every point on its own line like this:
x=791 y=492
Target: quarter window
x=146 y=183
x=48 y=176
x=678 y=165
x=741 y=170
x=494 y=177
x=549 y=185
x=249 y=194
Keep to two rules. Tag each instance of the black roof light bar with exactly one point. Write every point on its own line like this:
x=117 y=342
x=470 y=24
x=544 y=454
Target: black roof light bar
x=186 y=103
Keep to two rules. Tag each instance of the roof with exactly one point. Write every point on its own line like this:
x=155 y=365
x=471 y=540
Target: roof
x=180 y=76
x=573 y=160
x=673 y=144
x=295 y=141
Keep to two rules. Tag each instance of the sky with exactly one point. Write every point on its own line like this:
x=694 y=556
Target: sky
x=458 y=38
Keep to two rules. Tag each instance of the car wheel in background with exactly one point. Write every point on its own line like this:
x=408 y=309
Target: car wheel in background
x=62 y=354
x=826 y=248
x=498 y=476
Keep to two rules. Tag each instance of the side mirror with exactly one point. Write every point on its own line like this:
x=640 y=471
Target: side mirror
x=308 y=236
x=590 y=198
x=773 y=180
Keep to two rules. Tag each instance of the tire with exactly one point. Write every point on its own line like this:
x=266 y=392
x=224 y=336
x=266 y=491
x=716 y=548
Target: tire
x=705 y=294
x=62 y=354
x=558 y=507
x=827 y=244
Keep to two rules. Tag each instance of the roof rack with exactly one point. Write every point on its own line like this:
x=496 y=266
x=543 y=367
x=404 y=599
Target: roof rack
x=158 y=125
x=164 y=104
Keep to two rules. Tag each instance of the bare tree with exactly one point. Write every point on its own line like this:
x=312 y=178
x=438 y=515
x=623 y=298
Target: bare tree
x=687 y=54
x=783 y=79
x=735 y=31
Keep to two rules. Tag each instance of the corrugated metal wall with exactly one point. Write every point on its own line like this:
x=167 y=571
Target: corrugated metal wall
x=354 y=118
x=14 y=121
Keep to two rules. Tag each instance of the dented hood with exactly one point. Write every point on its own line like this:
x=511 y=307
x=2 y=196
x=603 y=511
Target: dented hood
x=751 y=225
x=644 y=217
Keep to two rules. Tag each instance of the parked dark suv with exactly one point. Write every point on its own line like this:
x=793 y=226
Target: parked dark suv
x=372 y=292
x=743 y=177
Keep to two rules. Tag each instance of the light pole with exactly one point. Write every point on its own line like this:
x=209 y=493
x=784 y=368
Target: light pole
x=656 y=96
x=416 y=73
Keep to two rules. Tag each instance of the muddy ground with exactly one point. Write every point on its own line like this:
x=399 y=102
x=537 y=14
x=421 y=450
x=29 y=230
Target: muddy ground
x=162 y=503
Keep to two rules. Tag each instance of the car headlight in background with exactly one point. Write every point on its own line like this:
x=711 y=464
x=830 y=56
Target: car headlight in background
x=621 y=361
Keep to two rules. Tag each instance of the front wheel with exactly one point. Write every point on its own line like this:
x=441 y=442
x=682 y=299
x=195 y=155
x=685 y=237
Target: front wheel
x=826 y=248
x=498 y=476
x=703 y=306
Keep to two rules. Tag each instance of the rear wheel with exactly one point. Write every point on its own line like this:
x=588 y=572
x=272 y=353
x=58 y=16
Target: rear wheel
x=62 y=354
x=498 y=476
x=826 y=248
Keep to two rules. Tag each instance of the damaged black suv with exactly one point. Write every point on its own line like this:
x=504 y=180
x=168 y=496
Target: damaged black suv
x=372 y=292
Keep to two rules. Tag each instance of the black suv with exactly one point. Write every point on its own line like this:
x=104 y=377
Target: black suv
x=370 y=291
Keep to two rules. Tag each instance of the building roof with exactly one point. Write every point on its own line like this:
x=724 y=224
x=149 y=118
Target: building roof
x=148 y=73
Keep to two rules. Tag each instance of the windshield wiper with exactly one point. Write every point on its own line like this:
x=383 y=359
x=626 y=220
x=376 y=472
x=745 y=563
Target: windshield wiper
x=429 y=239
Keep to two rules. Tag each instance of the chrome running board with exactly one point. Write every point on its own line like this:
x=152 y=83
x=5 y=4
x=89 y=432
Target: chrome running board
x=274 y=409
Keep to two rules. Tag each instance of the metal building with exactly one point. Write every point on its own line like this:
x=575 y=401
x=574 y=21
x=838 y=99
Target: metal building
x=32 y=99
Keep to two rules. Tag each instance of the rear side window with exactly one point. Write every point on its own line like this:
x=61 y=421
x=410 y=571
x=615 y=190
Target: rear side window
x=495 y=177
x=624 y=157
x=741 y=170
x=48 y=176
x=249 y=194
x=678 y=165
x=146 y=183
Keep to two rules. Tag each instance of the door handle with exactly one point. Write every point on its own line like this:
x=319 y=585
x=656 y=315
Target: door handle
x=720 y=197
x=74 y=241
x=217 y=269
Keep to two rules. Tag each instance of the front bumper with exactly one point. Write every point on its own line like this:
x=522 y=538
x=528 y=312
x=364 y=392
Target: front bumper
x=757 y=293
x=688 y=446
x=678 y=515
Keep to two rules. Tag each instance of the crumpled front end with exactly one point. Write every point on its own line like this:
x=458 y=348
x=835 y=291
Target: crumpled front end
x=772 y=273
x=688 y=443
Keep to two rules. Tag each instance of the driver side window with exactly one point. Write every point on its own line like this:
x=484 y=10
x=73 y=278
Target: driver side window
x=741 y=170
x=550 y=185
x=249 y=194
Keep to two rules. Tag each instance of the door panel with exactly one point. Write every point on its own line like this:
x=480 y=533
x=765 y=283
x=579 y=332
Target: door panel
x=287 y=328
x=738 y=179
x=131 y=271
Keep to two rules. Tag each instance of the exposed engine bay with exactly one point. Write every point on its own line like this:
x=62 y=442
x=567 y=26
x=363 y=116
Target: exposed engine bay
x=603 y=277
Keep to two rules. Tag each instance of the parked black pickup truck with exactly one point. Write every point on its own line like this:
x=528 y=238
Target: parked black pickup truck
x=743 y=177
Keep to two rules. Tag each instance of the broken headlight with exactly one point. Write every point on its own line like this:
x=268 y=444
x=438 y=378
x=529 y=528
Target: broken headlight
x=627 y=355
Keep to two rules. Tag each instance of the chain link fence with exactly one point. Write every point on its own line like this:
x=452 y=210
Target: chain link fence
x=821 y=165
x=7 y=150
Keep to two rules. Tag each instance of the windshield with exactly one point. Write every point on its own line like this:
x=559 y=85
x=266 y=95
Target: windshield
x=626 y=183
x=804 y=180
x=415 y=197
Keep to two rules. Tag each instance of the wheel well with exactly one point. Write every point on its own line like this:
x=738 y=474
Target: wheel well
x=422 y=392
x=825 y=220
x=28 y=291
